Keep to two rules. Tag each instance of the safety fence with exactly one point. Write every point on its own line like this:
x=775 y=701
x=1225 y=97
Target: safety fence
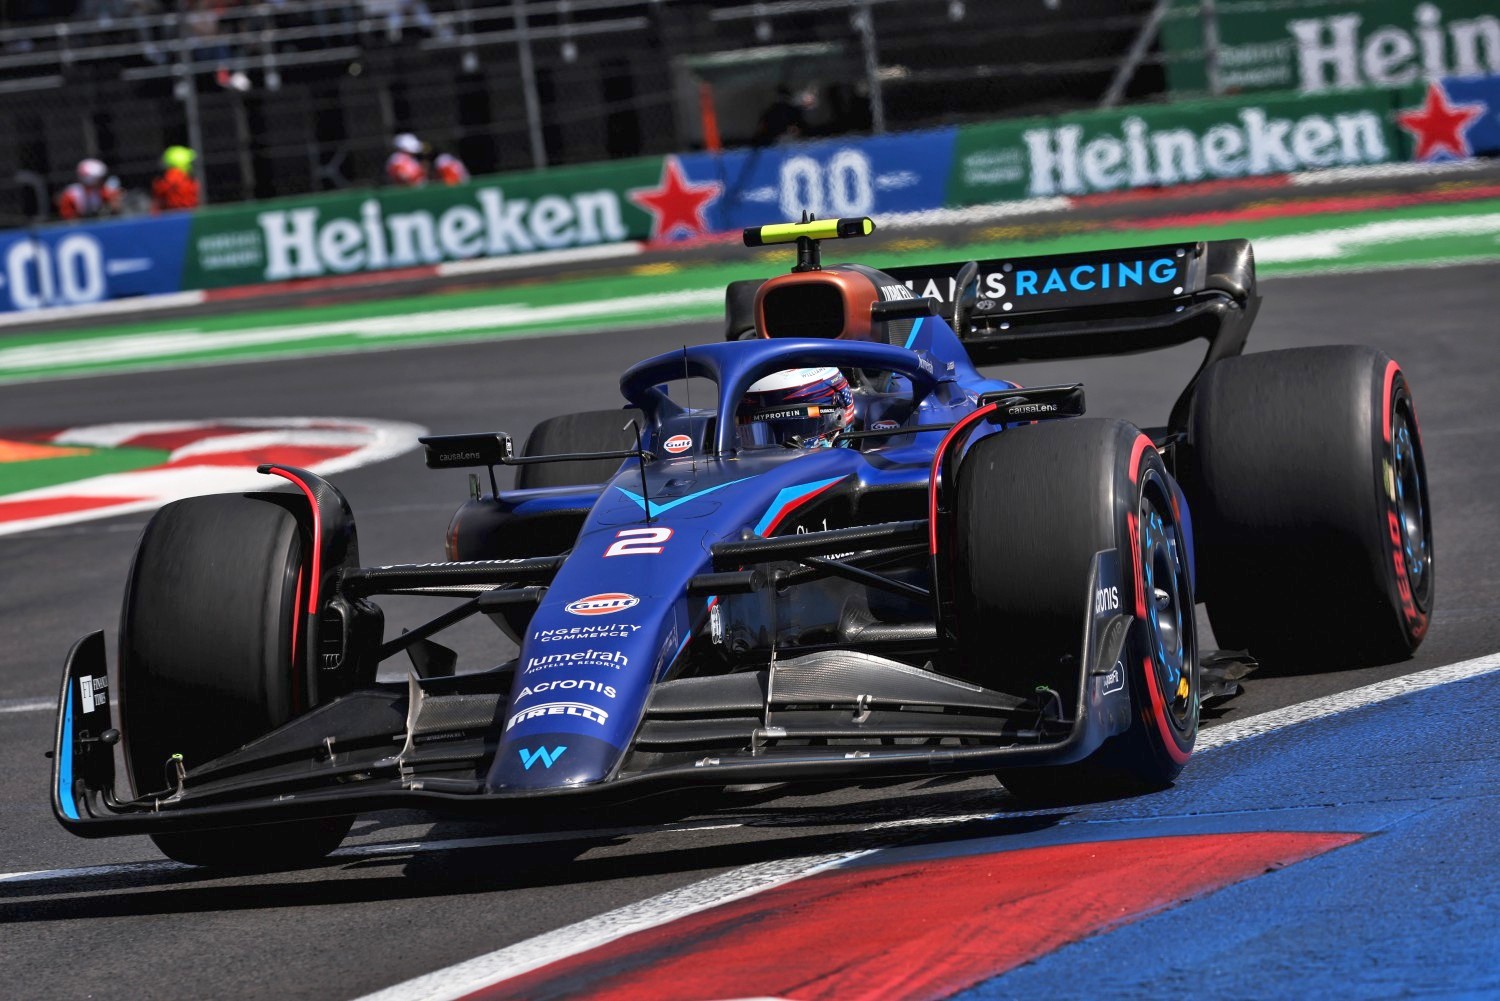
x=692 y=195
x=301 y=96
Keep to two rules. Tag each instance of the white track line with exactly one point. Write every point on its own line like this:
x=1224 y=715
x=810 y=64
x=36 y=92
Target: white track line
x=196 y=297
x=510 y=262
x=1329 y=245
x=1381 y=171
x=112 y=307
x=534 y=953
x=1356 y=698
x=542 y=950
x=27 y=705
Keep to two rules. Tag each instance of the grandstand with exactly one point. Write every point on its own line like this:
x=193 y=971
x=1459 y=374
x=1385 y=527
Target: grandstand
x=301 y=95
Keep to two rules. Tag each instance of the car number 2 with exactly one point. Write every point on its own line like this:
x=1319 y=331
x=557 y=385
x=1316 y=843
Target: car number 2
x=638 y=542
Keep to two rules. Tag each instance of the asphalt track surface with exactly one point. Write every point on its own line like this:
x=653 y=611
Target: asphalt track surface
x=371 y=919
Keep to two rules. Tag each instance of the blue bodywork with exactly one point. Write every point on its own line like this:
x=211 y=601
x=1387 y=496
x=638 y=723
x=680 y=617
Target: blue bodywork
x=670 y=634
x=585 y=674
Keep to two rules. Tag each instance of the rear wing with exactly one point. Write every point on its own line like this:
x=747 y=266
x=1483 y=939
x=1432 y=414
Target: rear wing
x=1097 y=303
x=1105 y=302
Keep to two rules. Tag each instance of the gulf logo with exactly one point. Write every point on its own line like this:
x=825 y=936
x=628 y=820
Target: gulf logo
x=602 y=604
x=677 y=443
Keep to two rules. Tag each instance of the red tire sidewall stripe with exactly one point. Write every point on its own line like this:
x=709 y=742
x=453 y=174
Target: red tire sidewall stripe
x=1391 y=371
x=1416 y=618
x=317 y=537
x=313 y=584
x=934 y=476
x=1156 y=698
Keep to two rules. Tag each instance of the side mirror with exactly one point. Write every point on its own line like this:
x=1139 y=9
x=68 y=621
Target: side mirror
x=456 y=451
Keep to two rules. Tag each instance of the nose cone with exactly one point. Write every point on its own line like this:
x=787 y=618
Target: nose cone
x=551 y=761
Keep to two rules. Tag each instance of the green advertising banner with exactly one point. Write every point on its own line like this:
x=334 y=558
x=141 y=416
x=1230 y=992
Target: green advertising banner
x=1320 y=46
x=348 y=232
x=1168 y=144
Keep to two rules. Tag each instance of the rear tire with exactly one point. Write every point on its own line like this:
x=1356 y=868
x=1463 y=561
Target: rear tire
x=1310 y=496
x=1033 y=506
x=590 y=431
x=207 y=661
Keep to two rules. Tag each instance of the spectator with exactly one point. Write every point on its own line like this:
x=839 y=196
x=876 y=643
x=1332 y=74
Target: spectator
x=450 y=170
x=175 y=188
x=406 y=167
x=94 y=194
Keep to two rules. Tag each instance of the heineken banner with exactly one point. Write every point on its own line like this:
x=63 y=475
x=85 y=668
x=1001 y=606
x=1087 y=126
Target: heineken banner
x=343 y=233
x=1169 y=144
x=1322 y=46
x=689 y=196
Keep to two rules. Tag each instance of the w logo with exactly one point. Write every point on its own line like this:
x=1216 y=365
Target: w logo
x=546 y=757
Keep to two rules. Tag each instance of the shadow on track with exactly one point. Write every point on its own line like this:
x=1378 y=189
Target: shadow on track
x=468 y=870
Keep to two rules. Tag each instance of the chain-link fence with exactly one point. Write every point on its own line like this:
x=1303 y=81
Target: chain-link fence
x=302 y=95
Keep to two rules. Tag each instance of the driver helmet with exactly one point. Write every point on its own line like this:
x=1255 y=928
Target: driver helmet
x=805 y=407
x=408 y=144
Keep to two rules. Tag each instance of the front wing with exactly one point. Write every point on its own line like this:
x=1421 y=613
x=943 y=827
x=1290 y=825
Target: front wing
x=836 y=716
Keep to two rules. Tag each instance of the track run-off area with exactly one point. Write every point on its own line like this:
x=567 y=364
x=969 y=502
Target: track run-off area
x=1335 y=831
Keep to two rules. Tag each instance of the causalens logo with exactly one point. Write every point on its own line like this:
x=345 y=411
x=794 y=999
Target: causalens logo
x=546 y=757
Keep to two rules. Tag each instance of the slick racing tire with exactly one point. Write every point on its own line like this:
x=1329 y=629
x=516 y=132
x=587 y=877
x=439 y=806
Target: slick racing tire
x=1309 y=496
x=1032 y=507
x=590 y=431
x=207 y=662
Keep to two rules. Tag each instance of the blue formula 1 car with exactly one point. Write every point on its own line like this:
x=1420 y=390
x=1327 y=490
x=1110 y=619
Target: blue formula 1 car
x=846 y=555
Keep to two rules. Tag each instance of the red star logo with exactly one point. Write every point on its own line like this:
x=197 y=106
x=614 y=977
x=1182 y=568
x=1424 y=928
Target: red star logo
x=1439 y=125
x=676 y=204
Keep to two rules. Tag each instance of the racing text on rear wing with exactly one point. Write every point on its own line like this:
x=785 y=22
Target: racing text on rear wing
x=1063 y=281
x=1100 y=302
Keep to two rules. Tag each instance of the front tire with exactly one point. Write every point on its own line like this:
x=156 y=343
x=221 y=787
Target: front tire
x=208 y=661
x=1034 y=505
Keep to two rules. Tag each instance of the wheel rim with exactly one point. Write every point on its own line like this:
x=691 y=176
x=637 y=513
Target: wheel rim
x=1169 y=616
x=1411 y=505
